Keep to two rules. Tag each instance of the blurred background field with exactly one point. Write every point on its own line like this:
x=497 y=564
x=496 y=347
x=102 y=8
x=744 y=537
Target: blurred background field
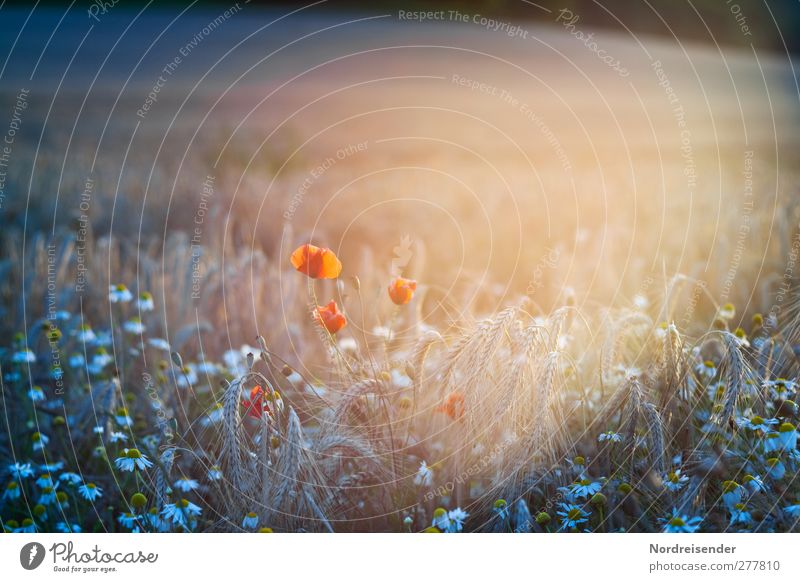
x=477 y=180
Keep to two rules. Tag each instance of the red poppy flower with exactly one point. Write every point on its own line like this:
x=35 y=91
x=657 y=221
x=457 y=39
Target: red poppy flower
x=257 y=404
x=316 y=262
x=330 y=317
x=402 y=290
x=453 y=405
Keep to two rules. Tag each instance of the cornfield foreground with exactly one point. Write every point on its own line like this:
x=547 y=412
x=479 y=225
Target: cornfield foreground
x=576 y=420
x=377 y=297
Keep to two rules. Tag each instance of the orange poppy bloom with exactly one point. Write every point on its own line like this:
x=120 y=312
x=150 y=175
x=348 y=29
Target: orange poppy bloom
x=316 y=262
x=330 y=317
x=257 y=403
x=453 y=405
x=402 y=290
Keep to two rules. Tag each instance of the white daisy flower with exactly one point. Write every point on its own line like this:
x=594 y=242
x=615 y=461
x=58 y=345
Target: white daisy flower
x=134 y=326
x=207 y=368
x=214 y=416
x=787 y=435
x=39 y=441
x=100 y=360
x=132 y=459
x=159 y=344
x=85 y=334
x=775 y=469
x=27 y=526
x=187 y=376
x=90 y=491
x=382 y=332
x=71 y=478
x=215 y=473
x=676 y=523
x=610 y=436
x=156 y=521
x=127 y=520
x=757 y=423
x=585 y=488
x=754 y=483
x=47 y=496
x=741 y=337
x=781 y=389
x=348 y=344
x=20 y=471
x=441 y=519
x=732 y=494
x=793 y=511
x=118 y=437
x=572 y=516
x=122 y=418
x=640 y=302
x=186 y=485
x=740 y=515
x=24 y=356
x=250 y=521
x=424 y=476
x=234 y=361
x=145 y=302
x=181 y=512
x=501 y=509
x=103 y=339
x=400 y=380
x=457 y=518
x=706 y=369
x=119 y=294
x=674 y=480
x=727 y=311
x=295 y=378
x=64 y=527
x=76 y=361
x=578 y=465
x=36 y=394
x=12 y=491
